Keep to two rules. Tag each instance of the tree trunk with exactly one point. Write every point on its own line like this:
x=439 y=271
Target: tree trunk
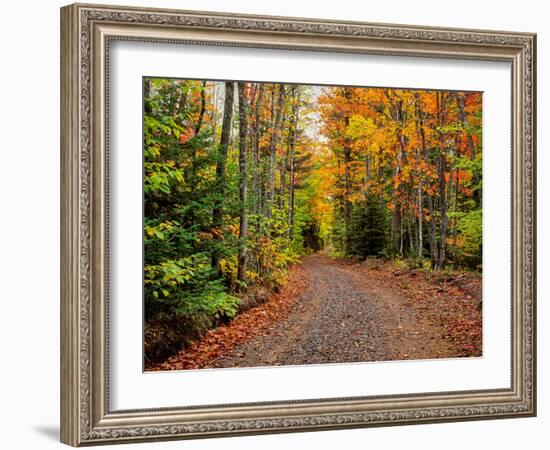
x=455 y=221
x=432 y=228
x=256 y=150
x=217 y=211
x=243 y=130
x=462 y=118
x=292 y=160
x=192 y=171
x=198 y=125
x=442 y=163
x=410 y=234
x=273 y=151
x=401 y=231
x=347 y=177
x=347 y=201
x=420 y=211
x=282 y=168
x=147 y=95
x=443 y=198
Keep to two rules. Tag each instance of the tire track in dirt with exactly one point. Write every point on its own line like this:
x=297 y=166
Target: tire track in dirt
x=340 y=318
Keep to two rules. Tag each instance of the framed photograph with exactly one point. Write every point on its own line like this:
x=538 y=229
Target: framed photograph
x=279 y=224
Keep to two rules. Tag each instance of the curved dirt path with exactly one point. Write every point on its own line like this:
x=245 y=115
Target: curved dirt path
x=340 y=317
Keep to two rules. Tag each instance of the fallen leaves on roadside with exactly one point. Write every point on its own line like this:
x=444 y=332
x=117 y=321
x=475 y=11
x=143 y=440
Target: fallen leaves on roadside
x=452 y=301
x=221 y=340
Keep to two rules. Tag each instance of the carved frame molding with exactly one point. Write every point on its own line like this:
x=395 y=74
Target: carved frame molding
x=86 y=31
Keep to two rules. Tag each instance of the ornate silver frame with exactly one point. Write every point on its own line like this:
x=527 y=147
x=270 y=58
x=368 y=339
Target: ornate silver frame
x=86 y=31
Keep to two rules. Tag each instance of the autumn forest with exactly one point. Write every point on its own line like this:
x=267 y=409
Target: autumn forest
x=293 y=224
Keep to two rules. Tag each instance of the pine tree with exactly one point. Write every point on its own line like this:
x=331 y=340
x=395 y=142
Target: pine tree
x=368 y=225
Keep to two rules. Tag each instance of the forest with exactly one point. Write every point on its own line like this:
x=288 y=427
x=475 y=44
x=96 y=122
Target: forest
x=243 y=179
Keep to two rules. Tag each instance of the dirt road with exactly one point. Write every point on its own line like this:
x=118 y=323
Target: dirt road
x=341 y=317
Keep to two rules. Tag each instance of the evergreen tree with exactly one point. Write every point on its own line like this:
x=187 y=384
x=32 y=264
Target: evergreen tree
x=368 y=225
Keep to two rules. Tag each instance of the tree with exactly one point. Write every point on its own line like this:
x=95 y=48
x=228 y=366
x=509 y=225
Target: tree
x=243 y=227
x=217 y=212
x=408 y=149
x=292 y=158
x=277 y=118
x=368 y=229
